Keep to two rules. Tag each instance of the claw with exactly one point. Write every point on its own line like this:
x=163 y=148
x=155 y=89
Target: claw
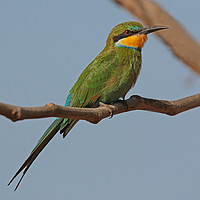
x=111 y=115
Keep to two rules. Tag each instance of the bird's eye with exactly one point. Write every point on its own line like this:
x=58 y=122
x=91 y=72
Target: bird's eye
x=127 y=32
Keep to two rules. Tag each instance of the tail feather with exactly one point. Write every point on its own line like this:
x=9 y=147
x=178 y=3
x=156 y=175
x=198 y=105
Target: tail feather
x=67 y=127
x=43 y=141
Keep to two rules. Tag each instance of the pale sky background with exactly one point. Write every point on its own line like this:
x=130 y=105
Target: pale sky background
x=44 y=46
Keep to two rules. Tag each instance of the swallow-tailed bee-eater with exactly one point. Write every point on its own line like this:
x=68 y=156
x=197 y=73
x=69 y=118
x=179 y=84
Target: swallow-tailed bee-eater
x=106 y=79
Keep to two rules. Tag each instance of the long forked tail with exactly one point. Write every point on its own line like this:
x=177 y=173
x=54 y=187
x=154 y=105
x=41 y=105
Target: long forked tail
x=43 y=141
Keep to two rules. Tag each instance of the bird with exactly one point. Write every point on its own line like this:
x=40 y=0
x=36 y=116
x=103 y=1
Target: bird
x=105 y=80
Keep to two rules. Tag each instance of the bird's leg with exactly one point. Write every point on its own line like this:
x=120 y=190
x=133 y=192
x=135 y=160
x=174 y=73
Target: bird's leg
x=109 y=109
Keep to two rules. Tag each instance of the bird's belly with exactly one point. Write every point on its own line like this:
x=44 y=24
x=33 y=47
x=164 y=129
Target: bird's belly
x=116 y=90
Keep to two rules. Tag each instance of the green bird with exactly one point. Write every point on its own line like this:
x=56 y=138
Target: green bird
x=106 y=79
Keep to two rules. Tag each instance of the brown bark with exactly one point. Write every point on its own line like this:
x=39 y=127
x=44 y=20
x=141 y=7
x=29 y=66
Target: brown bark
x=95 y=115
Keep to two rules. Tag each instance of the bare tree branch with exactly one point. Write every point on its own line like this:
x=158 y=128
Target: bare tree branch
x=95 y=115
x=180 y=42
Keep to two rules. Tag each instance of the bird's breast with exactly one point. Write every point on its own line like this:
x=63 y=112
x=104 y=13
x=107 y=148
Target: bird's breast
x=123 y=77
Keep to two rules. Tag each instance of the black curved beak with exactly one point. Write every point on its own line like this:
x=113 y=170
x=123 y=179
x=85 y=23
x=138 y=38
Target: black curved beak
x=152 y=29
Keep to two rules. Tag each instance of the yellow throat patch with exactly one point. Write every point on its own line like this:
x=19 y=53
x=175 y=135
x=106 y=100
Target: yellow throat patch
x=137 y=41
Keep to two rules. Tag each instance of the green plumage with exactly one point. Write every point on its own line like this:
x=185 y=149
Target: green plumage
x=106 y=79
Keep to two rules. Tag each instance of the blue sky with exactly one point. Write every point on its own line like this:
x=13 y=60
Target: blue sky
x=45 y=45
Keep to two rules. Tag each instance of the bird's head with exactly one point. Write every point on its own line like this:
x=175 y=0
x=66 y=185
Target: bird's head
x=131 y=35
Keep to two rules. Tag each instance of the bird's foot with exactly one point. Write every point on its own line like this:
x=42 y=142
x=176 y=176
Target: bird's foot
x=108 y=107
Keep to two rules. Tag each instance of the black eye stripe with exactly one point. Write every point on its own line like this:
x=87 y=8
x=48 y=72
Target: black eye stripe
x=123 y=35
